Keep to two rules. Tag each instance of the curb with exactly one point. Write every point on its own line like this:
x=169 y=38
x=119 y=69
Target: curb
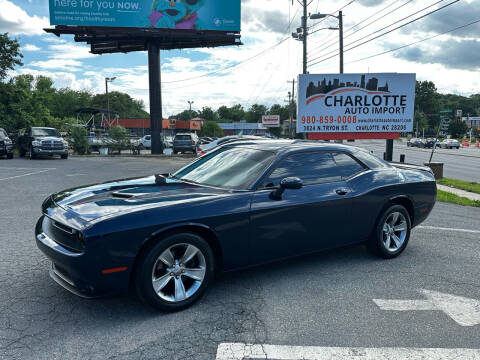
x=135 y=156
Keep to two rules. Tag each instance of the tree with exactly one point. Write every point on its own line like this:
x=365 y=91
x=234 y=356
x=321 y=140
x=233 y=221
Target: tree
x=79 y=140
x=10 y=55
x=457 y=128
x=255 y=113
x=211 y=128
x=229 y=114
x=427 y=102
x=185 y=115
x=208 y=114
x=124 y=104
x=119 y=136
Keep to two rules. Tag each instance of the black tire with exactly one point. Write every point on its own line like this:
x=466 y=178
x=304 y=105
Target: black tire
x=376 y=243
x=10 y=156
x=141 y=147
x=175 y=151
x=148 y=259
x=64 y=156
x=32 y=154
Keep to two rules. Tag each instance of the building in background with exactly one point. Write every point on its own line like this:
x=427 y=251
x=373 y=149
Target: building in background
x=141 y=127
x=243 y=128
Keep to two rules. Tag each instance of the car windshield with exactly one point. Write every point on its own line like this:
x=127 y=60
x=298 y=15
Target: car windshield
x=3 y=134
x=234 y=168
x=45 y=132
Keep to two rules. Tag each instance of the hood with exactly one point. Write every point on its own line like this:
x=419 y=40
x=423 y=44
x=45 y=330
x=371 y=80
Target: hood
x=47 y=138
x=120 y=197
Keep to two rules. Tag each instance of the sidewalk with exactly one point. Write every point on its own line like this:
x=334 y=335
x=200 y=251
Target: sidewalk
x=462 y=193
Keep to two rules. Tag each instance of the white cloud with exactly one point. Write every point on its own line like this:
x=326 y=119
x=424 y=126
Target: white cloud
x=15 y=20
x=59 y=64
x=30 y=47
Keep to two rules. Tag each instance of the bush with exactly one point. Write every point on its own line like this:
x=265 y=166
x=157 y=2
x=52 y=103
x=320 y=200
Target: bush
x=119 y=138
x=79 y=140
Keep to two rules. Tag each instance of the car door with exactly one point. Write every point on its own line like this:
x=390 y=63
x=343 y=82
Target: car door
x=312 y=218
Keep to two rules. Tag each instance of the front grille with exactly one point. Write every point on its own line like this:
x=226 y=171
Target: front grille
x=63 y=235
x=52 y=145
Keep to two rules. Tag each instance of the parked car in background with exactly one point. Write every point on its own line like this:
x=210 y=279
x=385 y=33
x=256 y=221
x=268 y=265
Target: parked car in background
x=187 y=142
x=414 y=142
x=225 y=139
x=450 y=144
x=42 y=141
x=6 y=145
x=166 y=236
x=428 y=143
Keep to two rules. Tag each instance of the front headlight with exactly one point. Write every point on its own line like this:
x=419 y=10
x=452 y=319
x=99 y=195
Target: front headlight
x=36 y=143
x=65 y=144
x=8 y=142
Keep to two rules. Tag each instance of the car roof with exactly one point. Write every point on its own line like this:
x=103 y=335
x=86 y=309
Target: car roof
x=43 y=127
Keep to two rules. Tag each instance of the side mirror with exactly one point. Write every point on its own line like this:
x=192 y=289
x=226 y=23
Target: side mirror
x=290 y=183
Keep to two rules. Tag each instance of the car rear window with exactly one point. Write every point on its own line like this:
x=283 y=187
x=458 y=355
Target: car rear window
x=370 y=160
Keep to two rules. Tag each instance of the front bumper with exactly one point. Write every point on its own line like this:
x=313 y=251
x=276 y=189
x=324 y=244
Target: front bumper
x=80 y=272
x=6 y=149
x=40 y=151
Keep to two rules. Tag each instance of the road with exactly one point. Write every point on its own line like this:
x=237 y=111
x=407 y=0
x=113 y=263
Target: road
x=323 y=300
x=463 y=164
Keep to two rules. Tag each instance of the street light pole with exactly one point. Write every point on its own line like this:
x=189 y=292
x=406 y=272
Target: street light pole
x=107 y=80
x=305 y=33
x=340 y=27
x=190 y=103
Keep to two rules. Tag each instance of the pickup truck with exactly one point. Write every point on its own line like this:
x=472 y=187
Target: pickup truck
x=40 y=141
x=6 y=146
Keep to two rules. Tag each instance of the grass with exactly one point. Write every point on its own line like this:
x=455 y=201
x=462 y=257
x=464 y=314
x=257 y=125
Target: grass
x=460 y=184
x=444 y=196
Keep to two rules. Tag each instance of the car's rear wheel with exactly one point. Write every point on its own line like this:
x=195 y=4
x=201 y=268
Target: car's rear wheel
x=65 y=156
x=392 y=233
x=175 y=272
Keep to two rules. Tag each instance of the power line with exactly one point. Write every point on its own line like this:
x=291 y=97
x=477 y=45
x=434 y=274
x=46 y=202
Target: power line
x=383 y=34
x=332 y=41
x=416 y=42
x=241 y=62
x=379 y=30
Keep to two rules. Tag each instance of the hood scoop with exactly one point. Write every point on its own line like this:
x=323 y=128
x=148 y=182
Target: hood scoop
x=120 y=195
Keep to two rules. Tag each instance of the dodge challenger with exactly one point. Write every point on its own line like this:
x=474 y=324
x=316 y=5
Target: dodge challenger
x=244 y=204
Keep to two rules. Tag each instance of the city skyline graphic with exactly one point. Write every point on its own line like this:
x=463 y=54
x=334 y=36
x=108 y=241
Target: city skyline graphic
x=323 y=87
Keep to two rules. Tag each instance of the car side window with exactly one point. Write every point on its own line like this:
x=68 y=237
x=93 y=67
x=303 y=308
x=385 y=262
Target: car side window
x=346 y=165
x=312 y=168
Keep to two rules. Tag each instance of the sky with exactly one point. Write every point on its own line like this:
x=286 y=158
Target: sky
x=259 y=70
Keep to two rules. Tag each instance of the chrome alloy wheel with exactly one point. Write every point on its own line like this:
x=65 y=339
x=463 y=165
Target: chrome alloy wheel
x=178 y=272
x=394 y=231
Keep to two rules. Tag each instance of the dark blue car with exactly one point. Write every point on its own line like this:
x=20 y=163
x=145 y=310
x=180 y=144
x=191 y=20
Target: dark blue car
x=238 y=206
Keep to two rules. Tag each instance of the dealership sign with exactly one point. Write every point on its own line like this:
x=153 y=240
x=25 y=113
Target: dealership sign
x=218 y=15
x=271 y=120
x=373 y=103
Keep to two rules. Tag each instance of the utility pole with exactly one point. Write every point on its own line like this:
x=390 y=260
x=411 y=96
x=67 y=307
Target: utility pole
x=305 y=33
x=156 y=117
x=291 y=99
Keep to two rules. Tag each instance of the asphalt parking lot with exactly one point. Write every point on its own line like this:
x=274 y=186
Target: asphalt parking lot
x=341 y=300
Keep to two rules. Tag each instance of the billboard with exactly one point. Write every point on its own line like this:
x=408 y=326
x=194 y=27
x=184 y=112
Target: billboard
x=369 y=103
x=271 y=120
x=218 y=15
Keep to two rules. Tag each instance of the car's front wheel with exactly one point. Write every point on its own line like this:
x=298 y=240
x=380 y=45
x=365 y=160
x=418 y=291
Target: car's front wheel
x=175 y=272
x=392 y=233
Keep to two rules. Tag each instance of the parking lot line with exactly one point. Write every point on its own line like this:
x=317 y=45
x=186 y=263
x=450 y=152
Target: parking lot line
x=238 y=351
x=448 y=229
x=27 y=174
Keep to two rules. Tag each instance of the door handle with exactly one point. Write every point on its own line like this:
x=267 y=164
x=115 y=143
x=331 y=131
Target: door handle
x=342 y=191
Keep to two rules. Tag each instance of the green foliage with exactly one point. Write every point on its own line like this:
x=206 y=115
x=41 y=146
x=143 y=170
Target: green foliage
x=79 y=140
x=460 y=184
x=10 y=55
x=255 y=113
x=208 y=114
x=120 y=140
x=211 y=128
x=120 y=102
x=444 y=196
x=457 y=128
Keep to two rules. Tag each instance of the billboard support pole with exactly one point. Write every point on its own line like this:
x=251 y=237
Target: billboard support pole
x=389 y=149
x=154 y=76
